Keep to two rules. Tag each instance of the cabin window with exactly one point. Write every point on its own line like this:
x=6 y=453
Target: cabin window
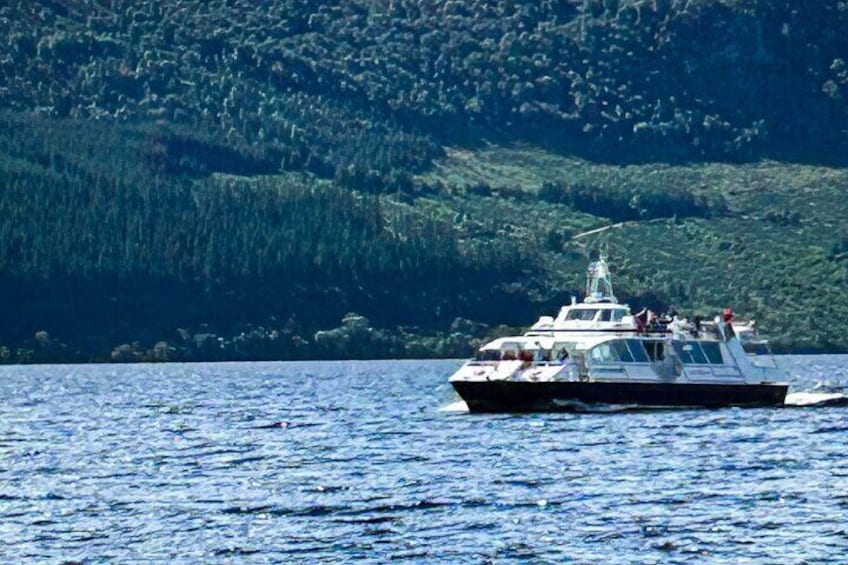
x=606 y=315
x=682 y=352
x=655 y=350
x=603 y=353
x=582 y=315
x=696 y=353
x=689 y=352
x=713 y=352
x=620 y=348
x=637 y=350
x=489 y=355
x=619 y=351
x=618 y=315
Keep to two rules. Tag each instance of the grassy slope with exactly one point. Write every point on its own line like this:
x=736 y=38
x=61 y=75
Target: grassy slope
x=772 y=257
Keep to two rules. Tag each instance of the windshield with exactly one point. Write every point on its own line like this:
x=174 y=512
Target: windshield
x=585 y=315
x=488 y=355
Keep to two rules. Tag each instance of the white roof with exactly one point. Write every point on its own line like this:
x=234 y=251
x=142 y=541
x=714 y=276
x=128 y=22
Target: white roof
x=530 y=343
x=596 y=306
x=521 y=341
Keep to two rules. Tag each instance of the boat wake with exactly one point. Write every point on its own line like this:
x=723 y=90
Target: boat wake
x=815 y=399
x=793 y=400
x=458 y=406
x=577 y=406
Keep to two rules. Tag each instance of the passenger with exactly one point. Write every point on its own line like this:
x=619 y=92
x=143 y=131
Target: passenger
x=526 y=358
x=508 y=355
x=727 y=316
x=673 y=326
x=563 y=356
x=641 y=319
x=717 y=327
x=696 y=330
x=652 y=321
x=538 y=355
x=679 y=327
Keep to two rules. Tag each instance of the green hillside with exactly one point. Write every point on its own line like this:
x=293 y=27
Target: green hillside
x=776 y=248
x=234 y=179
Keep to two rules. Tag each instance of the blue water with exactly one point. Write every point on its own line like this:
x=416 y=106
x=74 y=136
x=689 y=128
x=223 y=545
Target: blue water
x=360 y=461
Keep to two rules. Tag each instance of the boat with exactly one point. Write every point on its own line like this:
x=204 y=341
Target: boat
x=597 y=352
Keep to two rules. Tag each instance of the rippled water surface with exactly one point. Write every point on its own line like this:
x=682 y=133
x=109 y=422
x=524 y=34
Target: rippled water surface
x=360 y=461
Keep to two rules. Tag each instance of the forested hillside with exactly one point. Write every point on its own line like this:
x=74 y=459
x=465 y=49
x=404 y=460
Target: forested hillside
x=223 y=179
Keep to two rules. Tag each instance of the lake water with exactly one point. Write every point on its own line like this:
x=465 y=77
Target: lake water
x=374 y=462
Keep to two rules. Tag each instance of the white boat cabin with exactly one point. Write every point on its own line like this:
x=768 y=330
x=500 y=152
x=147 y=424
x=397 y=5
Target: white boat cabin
x=600 y=310
x=615 y=358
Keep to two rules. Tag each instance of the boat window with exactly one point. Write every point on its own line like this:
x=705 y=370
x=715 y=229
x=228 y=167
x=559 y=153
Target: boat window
x=655 y=350
x=618 y=315
x=696 y=353
x=488 y=355
x=712 y=351
x=618 y=352
x=606 y=315
x=582 y=315
x=603 y=353
x=620 y=349
x=684 y=351
x=637 y=350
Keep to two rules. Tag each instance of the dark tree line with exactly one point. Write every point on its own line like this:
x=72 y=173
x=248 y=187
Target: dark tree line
x=624 y=203
x=96 y=242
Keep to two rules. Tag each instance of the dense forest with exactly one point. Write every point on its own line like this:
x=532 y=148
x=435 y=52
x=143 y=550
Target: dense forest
x=241 y=179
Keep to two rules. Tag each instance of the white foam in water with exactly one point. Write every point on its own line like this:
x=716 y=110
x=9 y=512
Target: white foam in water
x=815 y=399
x=579 y=406
x=458 y=406
x=794 y=399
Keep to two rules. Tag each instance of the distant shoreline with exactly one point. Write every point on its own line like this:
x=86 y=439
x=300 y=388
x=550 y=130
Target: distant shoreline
x=100 y=360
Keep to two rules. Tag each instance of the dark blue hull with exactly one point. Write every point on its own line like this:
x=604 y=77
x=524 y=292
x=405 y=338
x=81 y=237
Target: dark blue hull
x=514 y=396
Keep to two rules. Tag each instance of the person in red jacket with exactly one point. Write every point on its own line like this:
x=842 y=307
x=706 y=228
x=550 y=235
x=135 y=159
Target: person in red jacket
x=727 y=316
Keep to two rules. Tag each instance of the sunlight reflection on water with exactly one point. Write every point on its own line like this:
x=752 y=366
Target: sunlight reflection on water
x=379 y=461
